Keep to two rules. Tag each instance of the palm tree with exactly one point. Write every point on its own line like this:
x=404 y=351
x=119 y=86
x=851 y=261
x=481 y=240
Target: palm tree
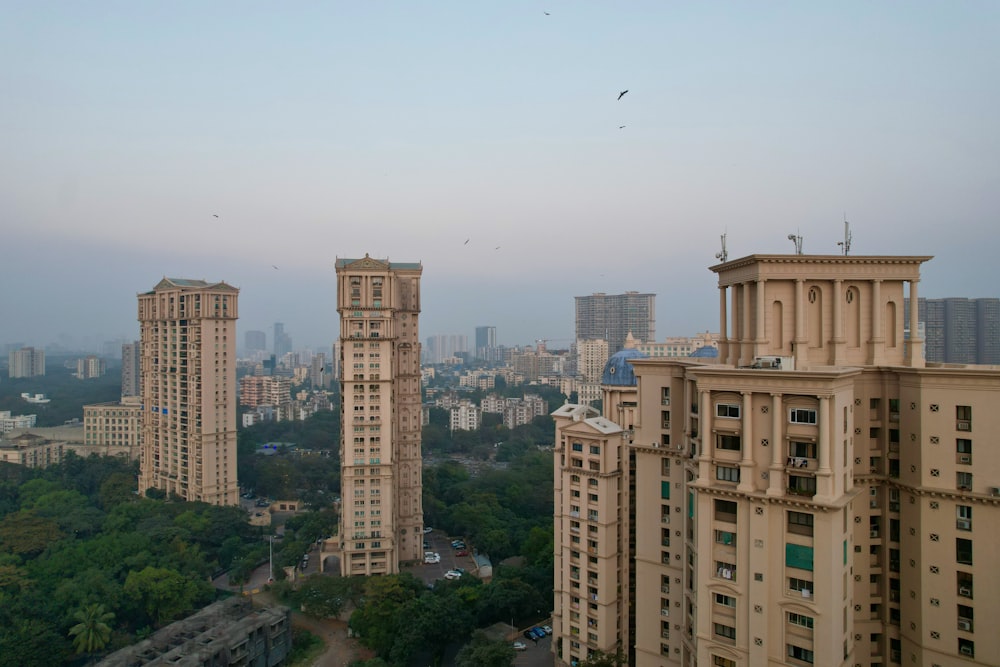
x=92 y=632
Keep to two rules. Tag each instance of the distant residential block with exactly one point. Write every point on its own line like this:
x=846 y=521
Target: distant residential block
x=26 y=362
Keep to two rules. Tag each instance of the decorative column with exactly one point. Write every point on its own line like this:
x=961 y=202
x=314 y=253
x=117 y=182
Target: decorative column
x=916 y=346
x=760 y=336
x=734 y=312
x=705 y=436
x=776 y=475
x=746 y=349
x=838 y=341
x=824 y=477
x=878 y=340
x=799 y=344
x=723 y=325
x=746 y=444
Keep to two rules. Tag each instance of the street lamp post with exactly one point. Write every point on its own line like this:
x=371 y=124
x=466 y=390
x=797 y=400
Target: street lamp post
x=270 y=558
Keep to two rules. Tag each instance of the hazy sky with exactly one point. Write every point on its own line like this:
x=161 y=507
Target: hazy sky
x=401 y=129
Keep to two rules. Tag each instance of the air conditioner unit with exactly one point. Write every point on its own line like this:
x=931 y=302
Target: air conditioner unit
x=965 y=624
x=964 y=426
x=965 y=591
x=873 y=504
x=965 y=458
x=965 y=649
x=874 y=533
x=964 y=524
x=806 y=593
x=995 y=490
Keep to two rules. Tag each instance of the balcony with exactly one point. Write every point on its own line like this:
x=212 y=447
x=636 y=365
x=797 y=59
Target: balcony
x=800 y=462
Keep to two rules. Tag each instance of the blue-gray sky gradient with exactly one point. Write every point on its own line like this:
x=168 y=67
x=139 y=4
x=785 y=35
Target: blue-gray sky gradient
x=317 y=130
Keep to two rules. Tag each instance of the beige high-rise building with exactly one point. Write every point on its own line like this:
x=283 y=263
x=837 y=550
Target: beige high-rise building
x=188 y=381
x=382 y=511
x=810 y=499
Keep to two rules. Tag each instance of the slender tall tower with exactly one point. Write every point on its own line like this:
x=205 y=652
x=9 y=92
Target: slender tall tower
x=188 y=387
x=381 y=514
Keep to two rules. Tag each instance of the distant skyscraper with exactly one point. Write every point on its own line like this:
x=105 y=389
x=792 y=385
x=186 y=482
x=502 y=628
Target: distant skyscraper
x=382 y=514
x=961 y=331
x=26 y=362
x=486 y=343
x=446 y=346
x=90 y=366
x=131 y=353
x=282 y=341
x=612 y=317
x=188 y=336
x=256 y=341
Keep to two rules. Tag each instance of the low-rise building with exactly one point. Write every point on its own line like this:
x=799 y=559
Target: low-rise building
x=228 y=632
x=9 y=422
x=115 y=426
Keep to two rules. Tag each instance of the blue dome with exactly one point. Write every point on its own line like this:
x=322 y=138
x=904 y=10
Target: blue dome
x=618 y=371
x=706 y=352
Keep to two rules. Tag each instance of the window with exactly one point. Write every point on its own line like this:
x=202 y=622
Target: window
x=727 y=410
x=963 y=520
x=801 y=585
x=800 y=620
x=799 y=653
x=801 y=416
x=727 y=631
x=806 y=450
x=964 y=480
x=725 y=537
x=803 y=486
x=665 y=490
x=725 y=600
x=800 y=523
x=963 y=412
x=963 y=449
x=963 y=551
x=799 y=556
x=595 y=449
x=728 y=442
x=577 y=446
x=727 y=474
x=725 y=510
x=725 y=570
x=664 y=395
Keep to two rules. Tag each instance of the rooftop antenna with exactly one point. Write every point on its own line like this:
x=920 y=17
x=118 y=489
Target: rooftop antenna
x=723 y=255
x=846 y=243
x=797 y=240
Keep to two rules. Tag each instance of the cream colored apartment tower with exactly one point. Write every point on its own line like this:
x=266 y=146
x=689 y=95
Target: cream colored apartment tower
x=188 y=381
x=382 y=512
x=819 y=496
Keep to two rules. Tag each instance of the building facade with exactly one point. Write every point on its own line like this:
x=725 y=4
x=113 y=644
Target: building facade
x=810 y=498
x=9 y=422
x=466 y=416
x=382 y=512
x=90 y=366
x=26 y=362
x=257 y=390
x=486 y=343
x=114 y=426
x=131 y=354
x=592 y=356
x=961 y=331
x=188 y=379
x=612 y=317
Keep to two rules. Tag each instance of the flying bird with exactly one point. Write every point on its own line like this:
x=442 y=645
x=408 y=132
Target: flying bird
x=622 y=93
x=547 y=14
x=466 y=241
x=621 y=127
x=497 y=248
x=274 y=267
x=215 y=215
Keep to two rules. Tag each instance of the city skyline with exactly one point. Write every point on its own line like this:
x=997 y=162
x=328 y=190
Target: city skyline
x=257 y=146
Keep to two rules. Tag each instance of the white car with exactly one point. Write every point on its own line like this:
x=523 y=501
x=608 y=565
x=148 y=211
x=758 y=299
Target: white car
x=427 y=529
x=547 y=630
x=452 y=574
x=520 y=646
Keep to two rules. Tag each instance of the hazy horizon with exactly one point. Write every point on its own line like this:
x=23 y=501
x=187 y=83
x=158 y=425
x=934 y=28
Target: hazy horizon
x=486 y=142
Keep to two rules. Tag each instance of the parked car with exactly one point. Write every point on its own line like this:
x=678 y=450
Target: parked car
x=520 y=646
x=427 y=529
x=452 y=574
x=463 y=552
x=538 y=633
x=528 y=634
x=458 y=544
x=547 y=629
